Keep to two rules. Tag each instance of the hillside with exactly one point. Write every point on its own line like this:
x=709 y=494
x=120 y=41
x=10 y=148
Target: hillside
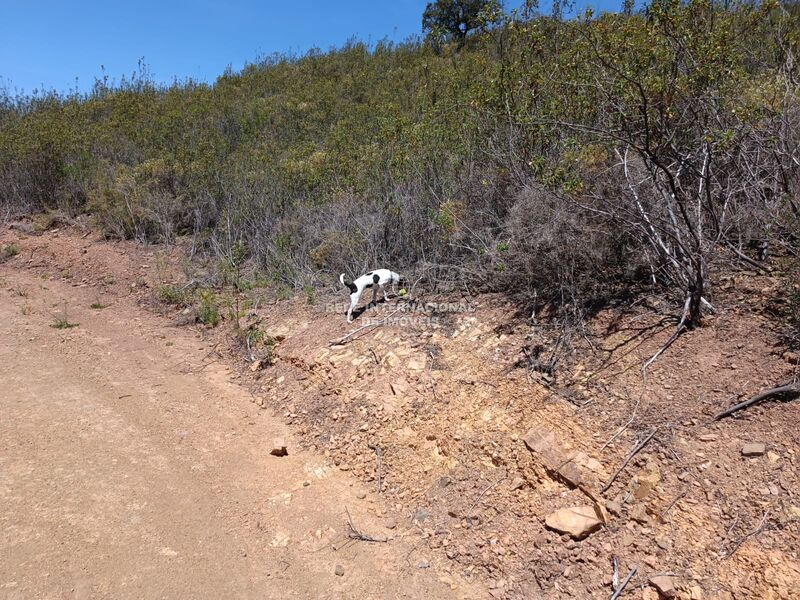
x=598 y=224
x=476 y=450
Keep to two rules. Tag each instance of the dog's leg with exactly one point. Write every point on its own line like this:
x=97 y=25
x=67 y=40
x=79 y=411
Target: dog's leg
x=375 y=294
x=353 y=301
x=385 y=297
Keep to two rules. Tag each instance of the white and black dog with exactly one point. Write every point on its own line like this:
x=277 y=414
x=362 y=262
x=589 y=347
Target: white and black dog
x=374 y=279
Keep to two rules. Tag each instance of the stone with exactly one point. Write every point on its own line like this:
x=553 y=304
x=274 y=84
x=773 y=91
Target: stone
x=361 y=495
x=695 y=593
x=517 y=483
x=639 y=514
x=578 y=521
x=646 y=481
x=542 y=442
x=793 y=358
x=665 y=584
x=754 y=449
x=420 y=515
x=339 y=570
x=707 y=437
x=423 y=564
x=279 y=447
x=390 y=524
x=614 y=507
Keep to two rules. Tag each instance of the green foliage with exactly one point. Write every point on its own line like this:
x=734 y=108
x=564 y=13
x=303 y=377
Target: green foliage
x=503 y=157
x=8 y=251
x=208 y=311
x=446 y=20
x=62 y=321
x=172 y=294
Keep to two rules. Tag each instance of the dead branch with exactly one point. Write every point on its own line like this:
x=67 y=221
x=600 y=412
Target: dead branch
x=789 y=391
x=379 y=463
x=678 y=331
x=759 y=528
x=383 y=321
x=621 y=588
x=354 y=534
x=631 y=454
x=483 y=493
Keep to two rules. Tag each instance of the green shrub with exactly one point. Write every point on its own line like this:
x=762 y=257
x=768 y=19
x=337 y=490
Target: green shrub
x=208 y=311
x=8 y=251
x=172 y=294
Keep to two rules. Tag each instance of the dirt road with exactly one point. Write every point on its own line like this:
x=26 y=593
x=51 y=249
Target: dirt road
x=128 y=469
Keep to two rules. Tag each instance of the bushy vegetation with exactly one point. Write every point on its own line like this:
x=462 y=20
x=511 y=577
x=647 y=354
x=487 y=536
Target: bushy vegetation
x=564 y=161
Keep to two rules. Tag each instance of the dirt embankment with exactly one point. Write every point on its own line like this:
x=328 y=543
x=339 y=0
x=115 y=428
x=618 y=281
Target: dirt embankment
x=132 y=465
x=479 y=458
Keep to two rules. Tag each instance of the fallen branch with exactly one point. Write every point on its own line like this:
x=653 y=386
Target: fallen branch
x=483 y=493
x=746 y=537
x=379 y=461
x=631 y=454
x=619 y=590
x=355 y=534
x=678 y=331
x=341 y=340
x=787 y=390
x=743 y=257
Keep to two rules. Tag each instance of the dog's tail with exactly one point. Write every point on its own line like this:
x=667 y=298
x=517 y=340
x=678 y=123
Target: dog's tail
x=341 y=278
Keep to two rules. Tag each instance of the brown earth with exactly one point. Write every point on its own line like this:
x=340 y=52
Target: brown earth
x=131 y=467
x=443 y=395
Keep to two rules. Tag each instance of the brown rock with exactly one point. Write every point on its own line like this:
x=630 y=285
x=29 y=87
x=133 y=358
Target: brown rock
x=542 y=442
x=279 y=447
x=665 y=585
x=614 y=507
x=646 y=481
x=339 y=570
x=578 y=521
x=517 y=483
x=793 y=358
x=754 y=449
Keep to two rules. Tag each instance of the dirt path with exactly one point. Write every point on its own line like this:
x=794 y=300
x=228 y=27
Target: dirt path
x=128 y=470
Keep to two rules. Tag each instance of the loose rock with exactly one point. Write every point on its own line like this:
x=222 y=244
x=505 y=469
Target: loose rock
x=665 y=585
x=517 y=483
x=339 y=570
x=646 y=481
x=754 y=449
x=578 y=521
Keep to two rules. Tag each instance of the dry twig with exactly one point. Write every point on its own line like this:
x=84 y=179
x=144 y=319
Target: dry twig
x=355 y=534
x=789 y=390
x=618 y=592
x=342 y=340
x=483 y=493
x=759 y=528
x=379 y=463
x=631 y=454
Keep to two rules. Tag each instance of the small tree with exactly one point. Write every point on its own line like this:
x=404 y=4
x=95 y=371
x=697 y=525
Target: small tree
x=452 y=20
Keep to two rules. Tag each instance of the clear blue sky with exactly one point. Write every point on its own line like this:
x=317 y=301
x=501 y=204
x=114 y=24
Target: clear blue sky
x=47 y=44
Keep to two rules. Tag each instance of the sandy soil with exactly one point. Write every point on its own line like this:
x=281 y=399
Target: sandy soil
x=132 y=466
x=141 y=439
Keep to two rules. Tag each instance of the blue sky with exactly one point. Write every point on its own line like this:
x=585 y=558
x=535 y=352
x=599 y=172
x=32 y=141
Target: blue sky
x=47 y=44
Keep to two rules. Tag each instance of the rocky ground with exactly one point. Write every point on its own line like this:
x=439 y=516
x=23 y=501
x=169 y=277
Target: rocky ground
x=532 y=485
